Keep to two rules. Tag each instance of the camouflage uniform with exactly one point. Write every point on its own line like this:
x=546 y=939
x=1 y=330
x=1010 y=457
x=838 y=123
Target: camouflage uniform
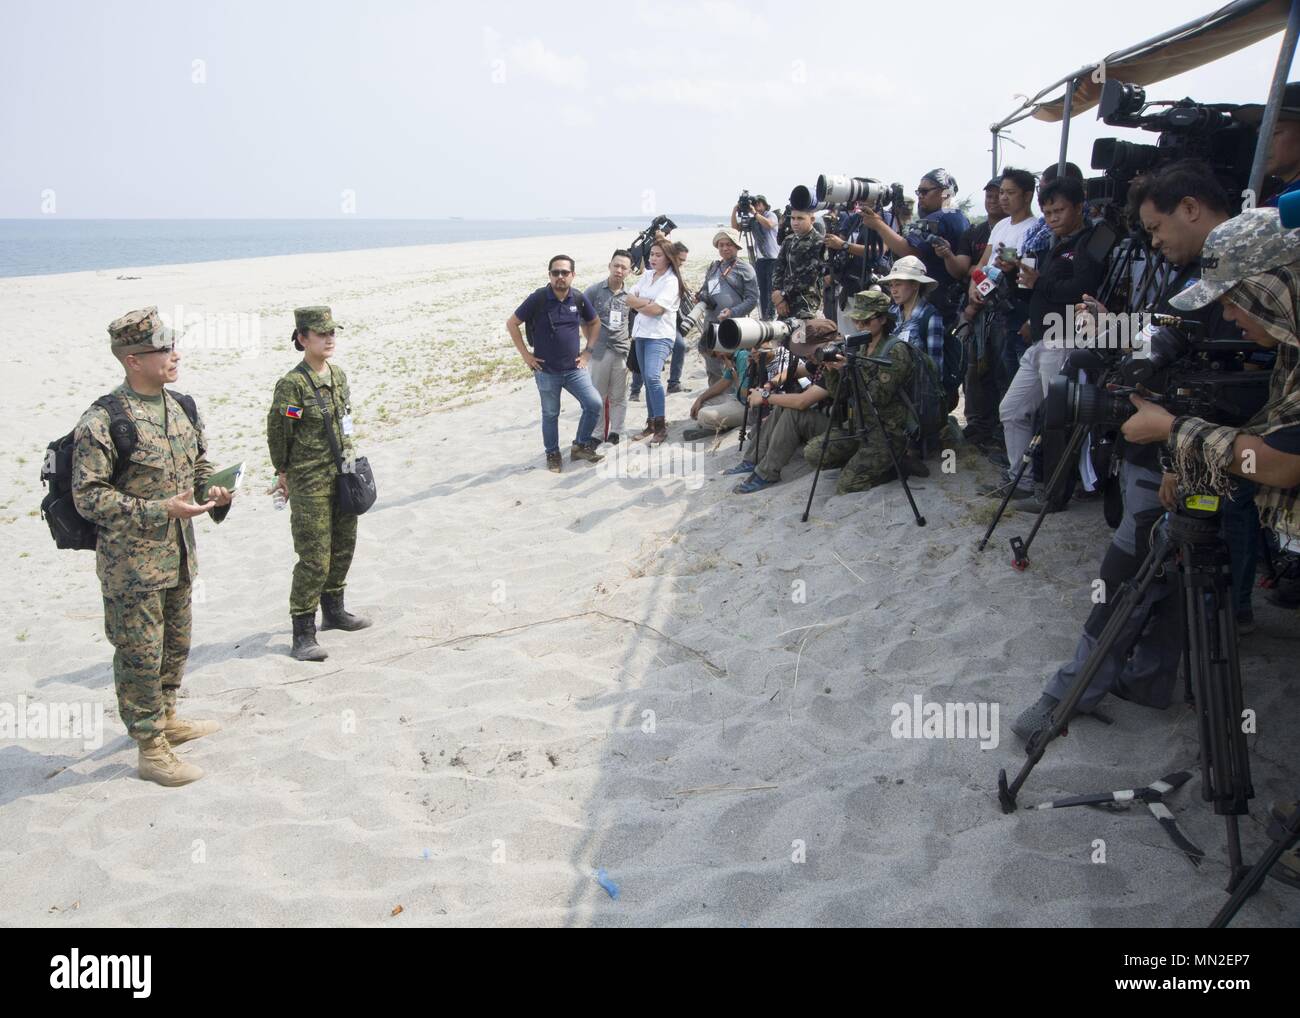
x=799 y=272
x=323 y=538
x=867 y=463
x=145 y=561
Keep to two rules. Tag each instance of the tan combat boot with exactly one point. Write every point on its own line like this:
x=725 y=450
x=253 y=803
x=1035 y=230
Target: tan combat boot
x=158 y=763
x=180 y=730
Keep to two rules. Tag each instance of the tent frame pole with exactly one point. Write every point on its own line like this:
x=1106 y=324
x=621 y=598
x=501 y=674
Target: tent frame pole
x=1280 y=71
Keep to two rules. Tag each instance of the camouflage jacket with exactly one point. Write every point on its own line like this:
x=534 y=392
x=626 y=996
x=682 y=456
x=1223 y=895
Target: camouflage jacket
x=295 y=430
x=138 y=547
x=887 y=387
x=798 y=274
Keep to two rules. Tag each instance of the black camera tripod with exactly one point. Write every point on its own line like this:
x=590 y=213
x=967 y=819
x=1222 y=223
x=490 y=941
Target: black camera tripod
x=851 y=387
x=1187 y=540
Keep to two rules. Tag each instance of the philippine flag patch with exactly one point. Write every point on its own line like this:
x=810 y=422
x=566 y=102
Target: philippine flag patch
x=293 y=411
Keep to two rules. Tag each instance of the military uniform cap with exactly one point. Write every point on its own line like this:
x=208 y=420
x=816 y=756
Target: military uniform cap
x=1246 y=245
x=867 y=304
x=317 y=319
x=140 y=332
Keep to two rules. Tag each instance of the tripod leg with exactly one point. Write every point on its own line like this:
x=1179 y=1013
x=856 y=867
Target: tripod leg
x=837 y=405
x=1285 y=837
x=860 y=390
x=1014 y=483
x=1130 y=596
x=1020 y=549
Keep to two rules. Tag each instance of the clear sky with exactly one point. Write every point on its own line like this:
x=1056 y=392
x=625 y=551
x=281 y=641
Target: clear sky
x=517 y=110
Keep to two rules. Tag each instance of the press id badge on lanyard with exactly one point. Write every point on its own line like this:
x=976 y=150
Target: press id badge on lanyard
x=345 y=422
x=616 y=313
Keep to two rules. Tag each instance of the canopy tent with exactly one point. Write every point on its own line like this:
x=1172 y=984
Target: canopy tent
x=1224 y=31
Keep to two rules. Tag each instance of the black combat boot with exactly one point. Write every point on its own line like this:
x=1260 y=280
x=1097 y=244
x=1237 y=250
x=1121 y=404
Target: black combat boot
x=305 y=647
x=334 y=616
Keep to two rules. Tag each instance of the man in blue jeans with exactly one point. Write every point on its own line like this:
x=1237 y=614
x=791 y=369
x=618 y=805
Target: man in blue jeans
x=556 y=317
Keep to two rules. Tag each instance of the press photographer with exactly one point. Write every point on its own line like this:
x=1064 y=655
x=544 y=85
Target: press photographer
x=1179 y=207
x=938 y=218
x=858 y=256
x=730 y=290
x=760 y=222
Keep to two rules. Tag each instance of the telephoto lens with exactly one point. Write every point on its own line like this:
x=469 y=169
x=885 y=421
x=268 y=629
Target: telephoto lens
x=747 y=333
x=692 y=321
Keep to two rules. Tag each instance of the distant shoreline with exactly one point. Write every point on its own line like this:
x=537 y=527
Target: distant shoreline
x=54 y=246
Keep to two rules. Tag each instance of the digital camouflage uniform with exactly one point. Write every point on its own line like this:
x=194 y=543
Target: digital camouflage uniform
x=145 y=561
x=323 y=538
x=798 y=274
x=867 y=463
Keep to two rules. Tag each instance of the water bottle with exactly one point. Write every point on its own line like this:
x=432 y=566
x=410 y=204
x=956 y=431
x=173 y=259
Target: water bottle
x=278 y=499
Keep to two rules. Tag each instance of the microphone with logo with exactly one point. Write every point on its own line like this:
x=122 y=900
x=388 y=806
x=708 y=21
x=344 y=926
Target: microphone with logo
x=1288 y=207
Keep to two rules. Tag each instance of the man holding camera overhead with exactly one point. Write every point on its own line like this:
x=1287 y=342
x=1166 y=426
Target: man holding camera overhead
x=938 y=218
x=762 y=227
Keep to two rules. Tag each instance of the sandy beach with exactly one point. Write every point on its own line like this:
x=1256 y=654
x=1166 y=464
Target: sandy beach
x=600 y=698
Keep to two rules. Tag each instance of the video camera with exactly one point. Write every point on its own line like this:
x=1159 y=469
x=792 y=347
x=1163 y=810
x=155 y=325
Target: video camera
x=1187 y=129
x=1205 y=379
x=640 y=246
x=744 y=211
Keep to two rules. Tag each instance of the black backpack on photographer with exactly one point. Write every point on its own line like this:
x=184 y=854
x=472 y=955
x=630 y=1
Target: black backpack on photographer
x=69 y=529
x=578 y=296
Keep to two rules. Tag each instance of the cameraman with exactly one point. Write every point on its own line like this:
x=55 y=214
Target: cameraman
x=797 y=279
x=1070 y=269
x=1283 y=166
x=934 y=197
x=866 y=258
x=730 y=290
x=763 y=229
x=1179 y=207
x=867 y=462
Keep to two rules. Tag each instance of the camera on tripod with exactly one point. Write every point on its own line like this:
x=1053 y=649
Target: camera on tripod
x=640 y=246
x=1205 y=380
x=744 y=211
x=1187 y=130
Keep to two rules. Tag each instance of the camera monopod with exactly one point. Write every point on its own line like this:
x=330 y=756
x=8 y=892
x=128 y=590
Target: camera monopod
x=1011 y=486
x=851 y=385
x=1019 y=548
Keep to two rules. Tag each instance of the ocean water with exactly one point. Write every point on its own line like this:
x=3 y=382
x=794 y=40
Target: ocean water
x=35 y=247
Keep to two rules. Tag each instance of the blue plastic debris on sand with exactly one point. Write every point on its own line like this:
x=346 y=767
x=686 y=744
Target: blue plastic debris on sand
x=611 y=888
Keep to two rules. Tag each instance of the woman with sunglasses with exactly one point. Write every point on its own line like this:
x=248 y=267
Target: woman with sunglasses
x=303 y=458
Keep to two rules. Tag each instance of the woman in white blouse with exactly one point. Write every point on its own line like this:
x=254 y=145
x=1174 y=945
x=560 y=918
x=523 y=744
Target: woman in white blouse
x=655 y=299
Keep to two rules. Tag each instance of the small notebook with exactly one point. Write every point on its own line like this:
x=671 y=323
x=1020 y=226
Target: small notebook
x=228 y=479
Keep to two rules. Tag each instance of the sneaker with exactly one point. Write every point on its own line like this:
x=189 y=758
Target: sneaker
x=751 y=483
x=1033 y=505
x=999 y=459
x=744 y=467
x=584 y=452
x=635 y=396
x=676 y=387
x=554 y=462
x=1245 y=621
x=613 y=438
x=1034 y=717
x=698 y=434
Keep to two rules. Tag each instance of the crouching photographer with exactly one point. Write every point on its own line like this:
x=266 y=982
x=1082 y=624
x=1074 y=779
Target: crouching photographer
x=797 y=415
x=860 y=447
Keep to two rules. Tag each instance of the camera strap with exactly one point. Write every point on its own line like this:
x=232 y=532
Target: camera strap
x=325 y=412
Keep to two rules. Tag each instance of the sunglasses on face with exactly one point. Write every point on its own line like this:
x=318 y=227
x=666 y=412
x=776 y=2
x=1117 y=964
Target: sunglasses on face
x=559 y=273
x=161 y=349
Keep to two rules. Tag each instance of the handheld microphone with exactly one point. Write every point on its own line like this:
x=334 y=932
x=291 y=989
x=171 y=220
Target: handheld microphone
x=1288 y=207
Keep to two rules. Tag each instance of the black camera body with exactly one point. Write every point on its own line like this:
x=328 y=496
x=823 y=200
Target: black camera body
x=640 y=246
x=1187 y=130
x=745 y=211
x=1205 y=381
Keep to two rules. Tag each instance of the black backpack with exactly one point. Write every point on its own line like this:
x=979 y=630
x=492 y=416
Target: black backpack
x=68 y=527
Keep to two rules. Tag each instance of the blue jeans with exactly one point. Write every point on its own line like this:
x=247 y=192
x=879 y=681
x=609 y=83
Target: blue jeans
x=678 y=359
x=764 y=267
x=1239 y=525
x=651 y=353
x=577 y=383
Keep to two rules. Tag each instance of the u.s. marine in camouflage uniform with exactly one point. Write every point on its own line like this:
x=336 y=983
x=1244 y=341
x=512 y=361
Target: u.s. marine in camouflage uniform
x=866 y=463
x=323 y=538
x=797 y=279
x=145 y=554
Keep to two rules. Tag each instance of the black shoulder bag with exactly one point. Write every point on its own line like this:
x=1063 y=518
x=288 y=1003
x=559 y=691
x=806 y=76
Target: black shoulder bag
x=354 y=489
